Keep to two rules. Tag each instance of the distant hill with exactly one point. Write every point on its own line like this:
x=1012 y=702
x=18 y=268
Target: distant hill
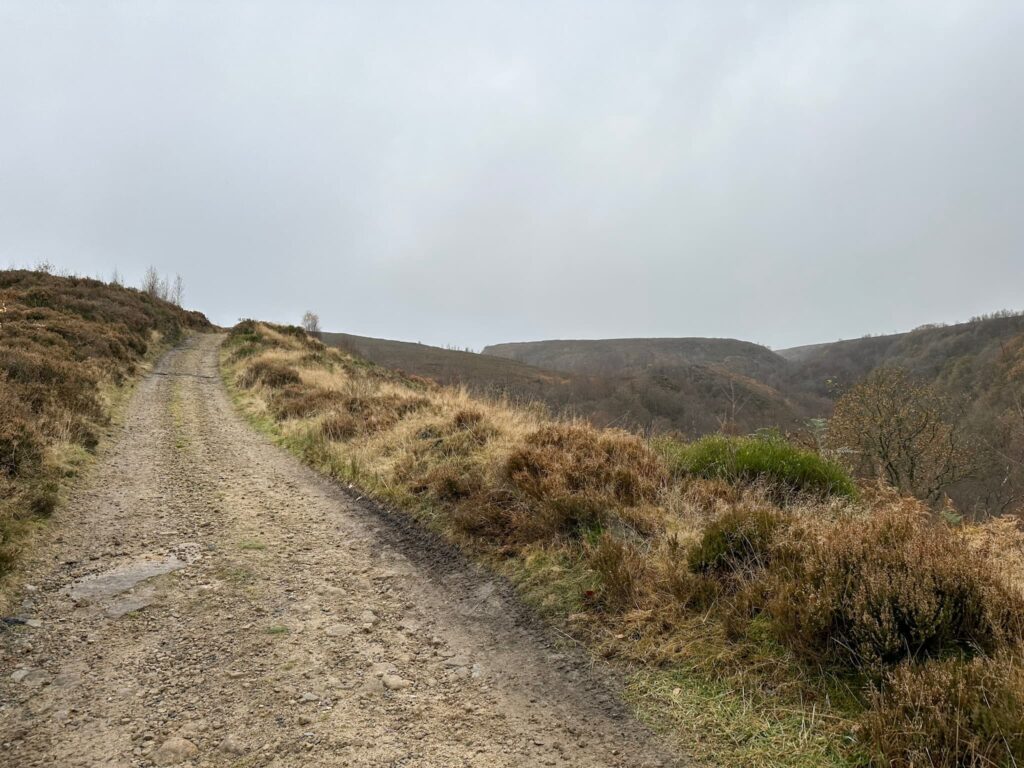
x=954 y=357
x=614 y=356
x=658 y=389
x=487 y=375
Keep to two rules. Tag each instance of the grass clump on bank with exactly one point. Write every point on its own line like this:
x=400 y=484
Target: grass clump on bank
x=65 y=342
x=767 y=459
x=804 y=612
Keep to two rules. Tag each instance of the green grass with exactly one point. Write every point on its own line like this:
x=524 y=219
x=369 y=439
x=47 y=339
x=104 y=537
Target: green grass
x=767 y=459
x=721 y=724
x=276 y=629
x=551 y=582
x=236 y=575
x=252 y=544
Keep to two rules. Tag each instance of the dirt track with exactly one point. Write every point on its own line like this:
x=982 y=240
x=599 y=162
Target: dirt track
x=290 y=625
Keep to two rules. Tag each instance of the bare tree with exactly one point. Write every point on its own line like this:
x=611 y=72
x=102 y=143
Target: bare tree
x=894 y=428
x=115 y=279
x=311 y=324
x=177 y=290
x=151 y=282
x=728 y=422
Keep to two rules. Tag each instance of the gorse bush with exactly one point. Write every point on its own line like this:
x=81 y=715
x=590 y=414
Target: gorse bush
x=770 y=460
x=893 y=585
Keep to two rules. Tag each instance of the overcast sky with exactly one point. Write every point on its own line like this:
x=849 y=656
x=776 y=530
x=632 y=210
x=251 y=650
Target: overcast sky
x=476 y=172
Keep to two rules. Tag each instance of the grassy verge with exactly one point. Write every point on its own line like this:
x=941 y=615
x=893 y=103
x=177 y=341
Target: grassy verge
x=766 y=613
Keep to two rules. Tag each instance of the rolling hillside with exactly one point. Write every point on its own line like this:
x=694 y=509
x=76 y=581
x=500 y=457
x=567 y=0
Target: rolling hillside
x=482 y=374
x=614 y=356
x=657 y=389
x=955 y=357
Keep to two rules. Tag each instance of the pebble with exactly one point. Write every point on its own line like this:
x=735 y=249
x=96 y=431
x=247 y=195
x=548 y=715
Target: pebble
x=175 y=750
x=232 y=745
x=395 y=683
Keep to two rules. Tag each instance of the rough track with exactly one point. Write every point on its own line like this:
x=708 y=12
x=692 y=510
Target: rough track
x=302 y=627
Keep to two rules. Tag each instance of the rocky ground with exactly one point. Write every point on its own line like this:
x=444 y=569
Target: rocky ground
x=204 y=599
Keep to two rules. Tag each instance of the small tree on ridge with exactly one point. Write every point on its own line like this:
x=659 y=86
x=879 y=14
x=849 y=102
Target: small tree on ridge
x=311 y=324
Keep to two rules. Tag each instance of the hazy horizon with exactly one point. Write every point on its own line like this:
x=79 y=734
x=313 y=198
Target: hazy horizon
x=467 y=174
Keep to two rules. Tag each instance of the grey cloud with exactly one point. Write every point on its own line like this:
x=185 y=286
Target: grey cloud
x=473 y=172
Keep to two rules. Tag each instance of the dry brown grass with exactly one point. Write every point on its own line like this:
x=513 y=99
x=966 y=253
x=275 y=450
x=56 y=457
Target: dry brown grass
x=269 y=374
x=573 y=477
x=801 y=604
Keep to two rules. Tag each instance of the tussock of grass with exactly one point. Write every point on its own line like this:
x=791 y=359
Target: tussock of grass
x=572 y=477
x=769 y=460
x=762 y=602
x=741 y=538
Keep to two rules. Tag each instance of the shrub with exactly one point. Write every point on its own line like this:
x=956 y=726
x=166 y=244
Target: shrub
x=465 y=433
x=339 y=427
x=949 y=713
x=298 y=402
x=904 y=432
x=269 y=374
x=445 y=463
x=356 y=415
x=893 y=585
x=737 y=540
x=450 y=481
x=21 y=450
x=768 y=459
x=573 y=476
x=621 y=568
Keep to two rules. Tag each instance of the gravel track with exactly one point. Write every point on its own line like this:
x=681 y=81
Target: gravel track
x=205 y=599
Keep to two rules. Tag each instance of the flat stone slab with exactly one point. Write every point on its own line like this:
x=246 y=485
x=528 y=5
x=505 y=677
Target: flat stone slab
x=92 y=589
